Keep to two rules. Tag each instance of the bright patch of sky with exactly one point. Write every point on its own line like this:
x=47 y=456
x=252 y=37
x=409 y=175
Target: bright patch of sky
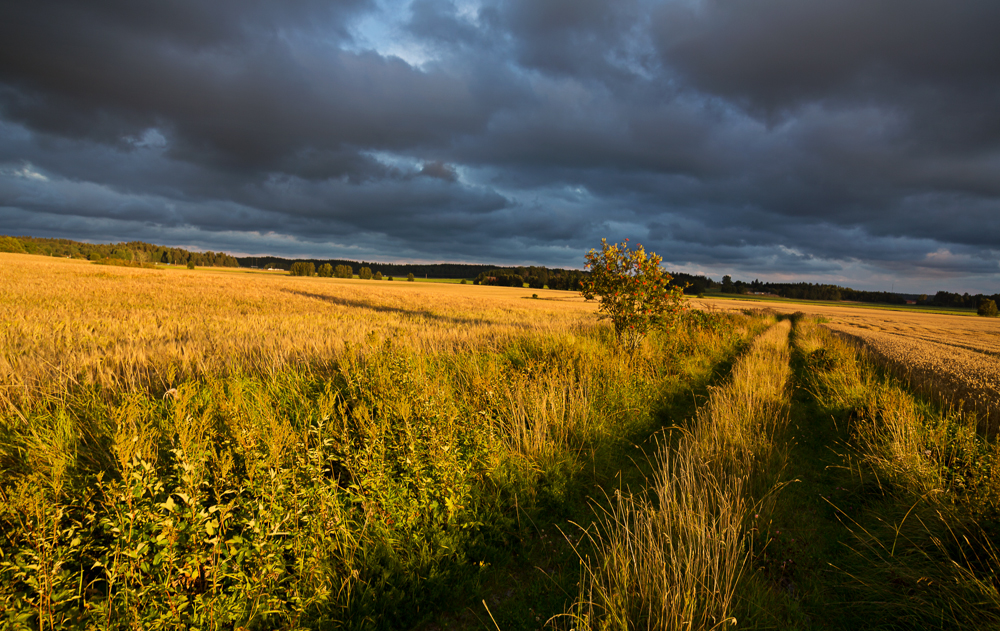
x=151 y=138
x=384 y=32
x=395 y=160
x=26 y=170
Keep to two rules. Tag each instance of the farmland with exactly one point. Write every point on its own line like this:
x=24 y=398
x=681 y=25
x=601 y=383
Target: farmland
x=953 y=357
x=225 y=449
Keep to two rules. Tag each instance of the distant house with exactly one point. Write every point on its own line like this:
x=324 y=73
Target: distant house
x=911 y=302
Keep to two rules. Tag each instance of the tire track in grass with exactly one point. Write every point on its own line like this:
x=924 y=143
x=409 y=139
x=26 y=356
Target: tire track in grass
x=542 y=575
x=872 y=534
x=676 y=556
x=799 y=585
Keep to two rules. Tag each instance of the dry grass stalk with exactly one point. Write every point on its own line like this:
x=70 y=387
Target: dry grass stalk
x=673 y=558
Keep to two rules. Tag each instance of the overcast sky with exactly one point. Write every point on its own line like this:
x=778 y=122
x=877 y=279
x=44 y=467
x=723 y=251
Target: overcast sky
x=847 y=141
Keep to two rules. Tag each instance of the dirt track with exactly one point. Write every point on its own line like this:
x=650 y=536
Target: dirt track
x=955 y=357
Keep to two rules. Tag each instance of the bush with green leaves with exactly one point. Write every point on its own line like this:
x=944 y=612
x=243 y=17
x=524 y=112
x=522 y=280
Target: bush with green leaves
x=377 y=276
x=635 y=292
x=343 y=271
x=365 y=273
x=410 y=278
x=190 y=264
x=325 y=271
x=987 y=308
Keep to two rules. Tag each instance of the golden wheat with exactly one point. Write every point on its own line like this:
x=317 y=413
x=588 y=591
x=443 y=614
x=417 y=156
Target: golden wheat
x=950 y=357
x=70 y=321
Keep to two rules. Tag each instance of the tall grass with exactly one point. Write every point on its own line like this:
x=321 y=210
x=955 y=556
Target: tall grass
x=925 y=543
x=673 y=556
x=217 y=451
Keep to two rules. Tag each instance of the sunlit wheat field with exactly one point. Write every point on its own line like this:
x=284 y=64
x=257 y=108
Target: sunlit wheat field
x=225 y=449
x=952 y=357
x=238 y=449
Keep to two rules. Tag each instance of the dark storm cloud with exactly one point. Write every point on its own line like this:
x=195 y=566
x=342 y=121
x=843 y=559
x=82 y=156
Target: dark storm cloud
x=853 y=141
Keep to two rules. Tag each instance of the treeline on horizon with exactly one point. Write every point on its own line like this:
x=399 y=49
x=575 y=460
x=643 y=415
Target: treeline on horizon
x=835 y=293
x=535 y=277
x=137 y=252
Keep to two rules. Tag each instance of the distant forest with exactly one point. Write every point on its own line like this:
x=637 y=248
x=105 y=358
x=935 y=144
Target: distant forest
x=132 y=251
x=536 y=277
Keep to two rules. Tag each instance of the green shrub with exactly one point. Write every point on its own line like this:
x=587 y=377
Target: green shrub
x=343 y=271
x=635 y=292
x=378 y=276
x=987 y=308
x=190 y=264
x=325 y=270
x=410 y=278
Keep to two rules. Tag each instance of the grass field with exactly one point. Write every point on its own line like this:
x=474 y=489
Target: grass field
x=219 y=449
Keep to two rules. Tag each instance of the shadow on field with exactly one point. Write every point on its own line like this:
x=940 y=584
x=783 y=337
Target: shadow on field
x=418 y=313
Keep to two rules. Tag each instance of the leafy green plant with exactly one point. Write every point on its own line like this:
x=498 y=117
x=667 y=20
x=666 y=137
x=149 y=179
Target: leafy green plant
x=635 y=292
x=987 y=308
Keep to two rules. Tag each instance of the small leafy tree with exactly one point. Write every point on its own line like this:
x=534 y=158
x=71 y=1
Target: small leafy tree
x=635 y=292
x=365 y=273
x=302 y=268
x=325 y=271
x=410 y=278
x=987 y=308
x=377 y=276
x=344 y=271
x=190 y=264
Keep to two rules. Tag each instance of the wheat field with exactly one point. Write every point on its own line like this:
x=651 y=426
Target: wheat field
x=70 y=321
x=956 y=358
x=233 y=448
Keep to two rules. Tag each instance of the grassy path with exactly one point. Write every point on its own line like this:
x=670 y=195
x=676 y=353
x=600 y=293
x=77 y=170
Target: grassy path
x=873 y=532
x=807 y=541
x=673 y=555
x=543 y=576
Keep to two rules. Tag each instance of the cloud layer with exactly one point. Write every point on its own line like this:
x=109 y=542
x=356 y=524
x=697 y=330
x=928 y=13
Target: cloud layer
x=853 y=141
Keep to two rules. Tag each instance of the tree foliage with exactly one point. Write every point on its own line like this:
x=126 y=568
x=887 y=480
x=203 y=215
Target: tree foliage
x=10 y=244
x=987 y=308
x=325 y=271
x=635 y=292
x=365 y=273
x=303 y=268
